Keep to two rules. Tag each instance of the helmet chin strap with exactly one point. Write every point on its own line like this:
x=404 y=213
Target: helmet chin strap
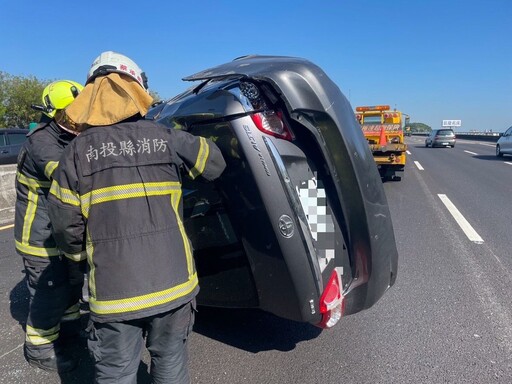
x=68 y=130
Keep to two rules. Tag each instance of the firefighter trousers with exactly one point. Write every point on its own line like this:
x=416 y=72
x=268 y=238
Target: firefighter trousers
x=116 y=347
x=54 y=307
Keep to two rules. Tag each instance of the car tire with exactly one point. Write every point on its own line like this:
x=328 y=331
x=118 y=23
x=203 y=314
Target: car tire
x=426 y=144
x=453 y=146
x=498 y=151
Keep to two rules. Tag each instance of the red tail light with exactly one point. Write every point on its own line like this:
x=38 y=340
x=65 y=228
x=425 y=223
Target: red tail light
x=271 y=123
x=332 y=303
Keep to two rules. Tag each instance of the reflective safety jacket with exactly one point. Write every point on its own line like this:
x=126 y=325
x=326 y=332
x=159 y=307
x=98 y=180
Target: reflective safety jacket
x=37 y=161
x=117 y=196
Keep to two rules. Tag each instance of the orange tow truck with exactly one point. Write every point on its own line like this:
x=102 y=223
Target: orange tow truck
x=383 y=128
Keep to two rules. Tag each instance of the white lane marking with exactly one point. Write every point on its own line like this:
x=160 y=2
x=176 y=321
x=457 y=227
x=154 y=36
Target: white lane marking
x=6 y=227
x=488 y=145
x=507 y=162
x=488 y=301
x=471 y=153
x=408 y=152
x=461 y=220
x=419 y=165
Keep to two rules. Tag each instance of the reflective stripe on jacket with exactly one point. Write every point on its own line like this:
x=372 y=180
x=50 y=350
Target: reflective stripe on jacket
x=37 y=162
x=117 y=194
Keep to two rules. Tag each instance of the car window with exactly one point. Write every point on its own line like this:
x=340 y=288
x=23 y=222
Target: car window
x=16 y=138
x=372 y=120
x=445 y=132
x=2 y=140
x=202 y=203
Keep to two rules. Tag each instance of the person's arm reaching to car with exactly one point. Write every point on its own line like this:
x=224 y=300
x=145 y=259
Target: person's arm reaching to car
x=200 y=156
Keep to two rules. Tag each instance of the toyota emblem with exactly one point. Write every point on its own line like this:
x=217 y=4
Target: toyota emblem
x=286 y=226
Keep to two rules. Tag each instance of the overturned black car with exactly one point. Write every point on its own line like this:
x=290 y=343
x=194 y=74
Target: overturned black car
x=298 y=224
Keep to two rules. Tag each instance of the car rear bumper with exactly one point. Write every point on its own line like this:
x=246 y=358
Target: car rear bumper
x=443 y=143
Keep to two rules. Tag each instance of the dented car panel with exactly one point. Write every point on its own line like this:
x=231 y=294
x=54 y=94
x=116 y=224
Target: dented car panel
x=300 y=202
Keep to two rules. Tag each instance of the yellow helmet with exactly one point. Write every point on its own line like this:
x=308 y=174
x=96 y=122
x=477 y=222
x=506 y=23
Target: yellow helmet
x=58 y=95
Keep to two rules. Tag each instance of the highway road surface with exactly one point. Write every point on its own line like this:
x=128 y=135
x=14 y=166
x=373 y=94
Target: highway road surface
x=448 y=318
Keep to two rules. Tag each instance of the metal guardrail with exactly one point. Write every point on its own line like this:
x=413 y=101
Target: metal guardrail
x=481 y=136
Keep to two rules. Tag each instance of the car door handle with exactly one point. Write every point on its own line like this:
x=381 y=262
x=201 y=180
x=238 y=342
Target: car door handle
x=4 y=151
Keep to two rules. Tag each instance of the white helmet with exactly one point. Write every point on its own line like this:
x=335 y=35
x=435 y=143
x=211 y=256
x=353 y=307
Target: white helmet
x=110 y=61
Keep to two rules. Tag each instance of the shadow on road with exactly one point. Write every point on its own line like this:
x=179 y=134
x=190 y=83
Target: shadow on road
x=436 y=147
x=252 y=330
x=84 y=373
x=492 y=158
x=18 y=299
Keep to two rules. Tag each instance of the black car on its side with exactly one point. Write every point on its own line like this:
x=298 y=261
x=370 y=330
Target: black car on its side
x=11 y=140
x=298 y=224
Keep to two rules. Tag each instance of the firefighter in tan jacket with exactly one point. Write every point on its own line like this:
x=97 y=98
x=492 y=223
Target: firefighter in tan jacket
x=117 y=194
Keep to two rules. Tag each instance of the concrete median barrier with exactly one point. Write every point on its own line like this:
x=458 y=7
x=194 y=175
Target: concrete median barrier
x=7 y=193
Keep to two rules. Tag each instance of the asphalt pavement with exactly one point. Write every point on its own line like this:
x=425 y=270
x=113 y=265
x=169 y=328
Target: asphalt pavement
x=13 y=313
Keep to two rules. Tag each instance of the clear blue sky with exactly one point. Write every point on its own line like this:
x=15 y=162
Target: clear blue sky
x=433 y=59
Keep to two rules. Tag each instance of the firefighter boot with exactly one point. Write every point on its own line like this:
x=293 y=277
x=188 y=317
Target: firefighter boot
x=54 y=361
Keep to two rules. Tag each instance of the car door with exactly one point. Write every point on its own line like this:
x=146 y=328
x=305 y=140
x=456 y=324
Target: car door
x=10 y=145
x=4 y=150
x=431 y=137
x=506 y=146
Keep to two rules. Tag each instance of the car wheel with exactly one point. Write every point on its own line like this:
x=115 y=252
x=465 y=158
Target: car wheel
x=498 y=151
x=453 y=146
x=426 y=144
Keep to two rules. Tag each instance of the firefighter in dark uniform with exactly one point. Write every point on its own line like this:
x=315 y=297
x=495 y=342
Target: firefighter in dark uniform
x=54 y=288
x=117 y=194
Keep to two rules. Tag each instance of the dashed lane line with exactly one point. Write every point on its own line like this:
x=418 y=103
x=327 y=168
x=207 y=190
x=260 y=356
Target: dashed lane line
x=419 y=165
x=408 y=152
x=508 y=162
x=471 y=153
x=6 y=227
x=461 y=220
